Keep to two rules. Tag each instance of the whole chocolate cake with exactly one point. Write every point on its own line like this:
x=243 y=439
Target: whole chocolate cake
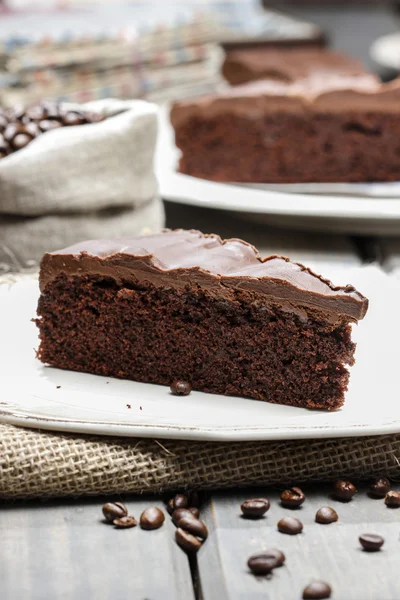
x=212 y=312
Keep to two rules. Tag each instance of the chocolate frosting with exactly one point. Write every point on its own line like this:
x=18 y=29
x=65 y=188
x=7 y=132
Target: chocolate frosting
x=316 y=92
x=175 y=259
x=288 y=64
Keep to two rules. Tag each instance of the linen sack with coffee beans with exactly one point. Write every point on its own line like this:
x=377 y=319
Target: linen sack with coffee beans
x=79 y=182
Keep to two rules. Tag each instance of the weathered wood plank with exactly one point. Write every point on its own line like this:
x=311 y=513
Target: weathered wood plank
x=63 y=550
x=328 y=552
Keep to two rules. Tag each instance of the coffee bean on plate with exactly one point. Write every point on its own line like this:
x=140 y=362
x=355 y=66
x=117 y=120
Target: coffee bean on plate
x=371 y=542
x=151 y=518
x=180 y=388
x=392 y=499
x=344 y=490
x=181 y=501
x=379 y=487
x=182 y=512
x=326 y=515
x=187 y=541
x=125 y=522
x=292 y=498
x=317 y=590
x=290 y=525
x=255 y=508
x=114 y=510
x=193 y=526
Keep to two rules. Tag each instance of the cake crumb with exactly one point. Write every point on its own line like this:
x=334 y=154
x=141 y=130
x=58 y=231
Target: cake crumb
x=128 y=406
x=58 y=386
x=140 y=407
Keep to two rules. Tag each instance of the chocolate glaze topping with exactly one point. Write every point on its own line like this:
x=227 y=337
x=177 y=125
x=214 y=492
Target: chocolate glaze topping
x=176 y=259
x=313 y=93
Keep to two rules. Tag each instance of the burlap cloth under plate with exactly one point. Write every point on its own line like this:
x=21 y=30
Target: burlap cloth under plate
x=38 y=463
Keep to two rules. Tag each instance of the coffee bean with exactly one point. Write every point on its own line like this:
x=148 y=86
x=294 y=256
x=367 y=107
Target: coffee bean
x=195 y=511
x=187 y=541
x=290 y=525
x=392 y=499
x=152 y=518
x=71 y=118
x=114 y=510
x=3 y=123
x=181 y=512
x=344 y=490
x=181 y=501
x=35 y=113
x=193 y=526
x=326 y=515
x=32 y=129
x=12 y=130
x=371 y=542
x=170 y=506
x=125 y=522
x=264 y=562
x=292 y=498
x=379 y=488
x=180 y=388
x=255 y=508
x=49 y=124
x=20 y=141
x=317 y=590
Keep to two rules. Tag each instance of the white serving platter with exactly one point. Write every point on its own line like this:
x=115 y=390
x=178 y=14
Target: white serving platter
x=33 y=395
x=368 y=208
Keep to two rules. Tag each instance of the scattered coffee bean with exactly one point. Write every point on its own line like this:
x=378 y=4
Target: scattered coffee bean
x=179 y=513
x=152 y=518
x=181 y=501
x=317 y=590
x=195 y=511
x=125 y=522
x=114 y=510
x=170 y=506
x=371 y=542
x=180 y=388
x=326 y=515
x=392 y=499
x=255 y=508
x=292 y=498
x=379 y=488
x=187 y=541
x=290 y=525
x=344 y=490
x=264 y=562
x=193 y=526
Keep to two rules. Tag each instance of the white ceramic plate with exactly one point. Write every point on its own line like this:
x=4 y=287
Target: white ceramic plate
x=369 y=208
x=33 y=395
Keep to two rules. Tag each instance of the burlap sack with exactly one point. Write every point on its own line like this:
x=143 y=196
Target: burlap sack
x=23 y=241
x=39 y=464
x=86 y=167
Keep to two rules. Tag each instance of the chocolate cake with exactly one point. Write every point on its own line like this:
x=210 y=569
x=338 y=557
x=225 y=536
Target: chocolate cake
x=212 y=312
x=287 y=64
x=315 y=128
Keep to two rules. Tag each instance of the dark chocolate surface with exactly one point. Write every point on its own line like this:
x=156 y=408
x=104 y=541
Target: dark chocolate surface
x=180 y=258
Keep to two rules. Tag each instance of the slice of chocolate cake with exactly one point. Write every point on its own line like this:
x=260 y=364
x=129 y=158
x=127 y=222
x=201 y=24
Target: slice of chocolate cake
x=317 y=128
x=184 y=305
